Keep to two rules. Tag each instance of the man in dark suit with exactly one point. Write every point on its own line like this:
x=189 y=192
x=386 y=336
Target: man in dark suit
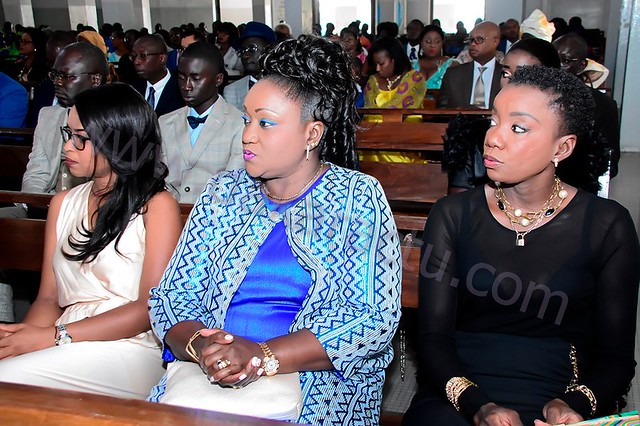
x=510 y=35
x=158 y=86
x=411 y=41
x=474 y=84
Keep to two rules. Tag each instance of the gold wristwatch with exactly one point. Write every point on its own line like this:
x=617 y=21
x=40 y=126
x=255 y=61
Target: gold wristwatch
x=270 y=363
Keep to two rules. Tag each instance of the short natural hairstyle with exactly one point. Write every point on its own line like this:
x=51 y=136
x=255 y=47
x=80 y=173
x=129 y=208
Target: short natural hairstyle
x=394 y=49
x=317 y=74
x=574 y=106
x=122 y=127
x=205 y=51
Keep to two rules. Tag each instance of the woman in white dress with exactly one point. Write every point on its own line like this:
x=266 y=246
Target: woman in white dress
x=107 y=243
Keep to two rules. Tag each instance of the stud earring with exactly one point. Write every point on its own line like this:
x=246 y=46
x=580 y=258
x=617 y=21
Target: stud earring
x=555 y=162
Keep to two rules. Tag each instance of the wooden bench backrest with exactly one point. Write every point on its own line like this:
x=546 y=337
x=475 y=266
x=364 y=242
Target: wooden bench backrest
x=13 y=164
x=22 y=240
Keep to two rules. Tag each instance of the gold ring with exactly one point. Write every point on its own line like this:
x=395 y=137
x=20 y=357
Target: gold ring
x=222 y=363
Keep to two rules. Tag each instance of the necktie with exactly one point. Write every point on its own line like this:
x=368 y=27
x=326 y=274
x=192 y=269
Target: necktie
x=412 y=55
x=478 y=94
x=251 y=83
x=152 y=97
x=194 y=122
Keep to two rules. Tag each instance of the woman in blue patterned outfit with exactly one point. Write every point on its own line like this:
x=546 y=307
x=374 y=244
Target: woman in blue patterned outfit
x=294 y=259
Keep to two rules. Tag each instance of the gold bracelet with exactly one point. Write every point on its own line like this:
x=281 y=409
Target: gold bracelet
x=189 y=348
x=454 y=388
x=583 y=389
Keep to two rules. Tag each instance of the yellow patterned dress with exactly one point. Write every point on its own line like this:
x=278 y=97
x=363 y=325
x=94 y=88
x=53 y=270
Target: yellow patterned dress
x=409 y=94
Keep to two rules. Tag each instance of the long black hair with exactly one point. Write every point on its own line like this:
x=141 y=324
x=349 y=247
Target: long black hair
x=124 y=129
x=394 y=49
x=317 y=73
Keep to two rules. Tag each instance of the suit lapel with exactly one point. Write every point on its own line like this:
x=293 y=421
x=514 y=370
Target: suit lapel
x=209 y=131
x=495 y=84
x=183 y=135
x=467 y=85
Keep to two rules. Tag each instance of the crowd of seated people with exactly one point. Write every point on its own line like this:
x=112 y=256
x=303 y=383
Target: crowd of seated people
x=256 y=129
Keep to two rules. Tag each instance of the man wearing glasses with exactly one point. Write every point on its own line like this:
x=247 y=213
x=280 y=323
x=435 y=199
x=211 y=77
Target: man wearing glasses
x=78 y=67
x=156 y=84
x=474 y=84
x=256 y=39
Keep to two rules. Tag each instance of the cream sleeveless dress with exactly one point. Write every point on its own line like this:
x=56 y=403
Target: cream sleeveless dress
x=126 y=368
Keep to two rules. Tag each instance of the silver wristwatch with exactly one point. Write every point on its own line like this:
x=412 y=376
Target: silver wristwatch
x=63 y=337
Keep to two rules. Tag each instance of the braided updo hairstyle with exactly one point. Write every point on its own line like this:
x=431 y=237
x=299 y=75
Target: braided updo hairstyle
x=575 y=108
x=317 y=74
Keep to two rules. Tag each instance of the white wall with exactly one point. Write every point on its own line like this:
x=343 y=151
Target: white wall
x=54 y=13
x=418 y=9
x=173 y=14
x=128 y=13
x=83 y=12
x=18 y=12
x=594 y=13
x=299 y=15
x=236 y=11
x=500 y=10
x=630 y=125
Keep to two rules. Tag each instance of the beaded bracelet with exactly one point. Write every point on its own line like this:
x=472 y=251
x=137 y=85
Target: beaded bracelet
x=454 y=388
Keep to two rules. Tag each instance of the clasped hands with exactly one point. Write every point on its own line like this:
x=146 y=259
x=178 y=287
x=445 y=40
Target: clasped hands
x=229 y=360
x=555 y=412
x=18 y=339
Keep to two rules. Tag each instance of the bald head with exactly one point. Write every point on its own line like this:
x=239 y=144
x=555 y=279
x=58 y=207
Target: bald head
x=490 y=28
x=92 y=58
x=572 y=50
x=78 y=67
x=485 y=38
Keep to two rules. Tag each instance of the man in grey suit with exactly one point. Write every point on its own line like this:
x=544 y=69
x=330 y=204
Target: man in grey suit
x=78 y=67
x=474 y=84
x=204 y=137
x=256 y=39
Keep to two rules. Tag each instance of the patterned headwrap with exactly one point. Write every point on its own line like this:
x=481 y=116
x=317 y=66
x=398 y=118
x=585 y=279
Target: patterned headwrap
x=538 y=26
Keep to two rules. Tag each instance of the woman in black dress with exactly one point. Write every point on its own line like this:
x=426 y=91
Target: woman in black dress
x=528 y=286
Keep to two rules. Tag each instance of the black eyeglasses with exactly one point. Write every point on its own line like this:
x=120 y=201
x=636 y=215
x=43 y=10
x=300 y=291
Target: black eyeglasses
x=142 y=56
x=476 y=40
x=251 y=48
x=54 y=75
x=78 y=141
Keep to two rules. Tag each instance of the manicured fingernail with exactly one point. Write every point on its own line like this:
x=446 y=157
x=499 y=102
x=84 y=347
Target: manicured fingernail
x=228 y=337
x=212 y=380
x=259 y=372
x=255 y=361
x=242 y=377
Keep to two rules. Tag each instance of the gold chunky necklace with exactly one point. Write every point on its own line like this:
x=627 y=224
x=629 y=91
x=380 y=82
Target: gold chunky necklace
x=297 y=194
x=530 y=220
x=392 y=82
